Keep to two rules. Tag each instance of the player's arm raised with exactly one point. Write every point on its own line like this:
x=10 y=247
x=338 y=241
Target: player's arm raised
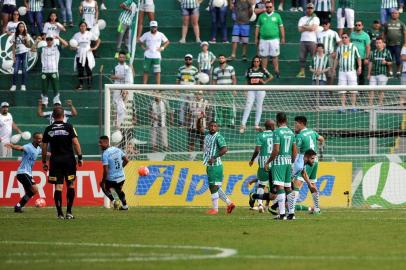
x=14 y=147
x=254 y=155
x=78 y=150
x=274 y=154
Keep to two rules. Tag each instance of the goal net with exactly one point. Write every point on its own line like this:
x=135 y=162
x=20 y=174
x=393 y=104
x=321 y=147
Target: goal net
x=362 y=162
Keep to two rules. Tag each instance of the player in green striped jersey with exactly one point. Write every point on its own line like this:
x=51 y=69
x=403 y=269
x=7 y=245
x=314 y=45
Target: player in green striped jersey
x=379 y=61
x=214 y=148
x=263 y=148
x=283 y=151
x=307 y=139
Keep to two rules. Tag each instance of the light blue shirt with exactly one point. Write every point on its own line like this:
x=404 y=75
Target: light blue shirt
x=29 y=156
x=113 y=157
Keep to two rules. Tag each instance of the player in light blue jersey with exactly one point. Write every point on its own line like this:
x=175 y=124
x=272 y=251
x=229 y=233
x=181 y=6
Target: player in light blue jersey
x=24 y=172
x=114 y=160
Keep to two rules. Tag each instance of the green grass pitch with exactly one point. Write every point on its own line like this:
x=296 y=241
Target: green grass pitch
x=186 y=238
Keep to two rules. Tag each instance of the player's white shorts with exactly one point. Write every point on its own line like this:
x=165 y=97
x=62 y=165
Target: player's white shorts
x=378 y=80
x=347 y=78
x=348 y=17
x=264 y=183
x=269 y=48
x=147 y=7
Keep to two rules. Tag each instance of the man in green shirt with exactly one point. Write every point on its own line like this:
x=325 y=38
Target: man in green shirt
x=283 y=151
x=269 y=33
x=362 y=41
x=214 y=148
x=375 y=32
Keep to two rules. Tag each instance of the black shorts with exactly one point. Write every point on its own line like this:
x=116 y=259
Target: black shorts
x=62 y=171
x=26 y=181
x=272 y=187
x=112 y=184
x=193 y=135
x=8 y=9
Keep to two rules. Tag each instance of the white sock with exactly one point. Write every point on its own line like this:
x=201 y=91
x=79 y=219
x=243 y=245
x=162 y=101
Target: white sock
x=215 y=200
x=281 y=198
x=260 y=191
x=316 y=199
x=291 y=202
x=223 y=197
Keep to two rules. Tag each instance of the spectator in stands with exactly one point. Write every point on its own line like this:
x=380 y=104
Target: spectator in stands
x=158 y=112
x=89 y=11
x=349 y=62
x=6 y=129
x=84 y=59
x=12 y=25
x=324 y=9
x=190 y=12
x=66 y=12
x=308 y=26
x=395 y=35
x=153 y=42
x=21 y=46
x=401 y=5
x=363 y=43
x=146 y=6
x=260 y=7
x=255 y=75
x=7 y=12
x=197 y=114
x=320 y=66
x=53 y=4
x=224 y=74
x=386 y=9
x=218 y=20
x=124 y=25
x=34 y=12
x=380 y=60
x=330 y=40
x=345 y=16
x=299 y=5
x=72 y=112
x=205 y=59
x=50 y=55
x=374 y=33
x=269 y=33
x=52 y=27
x=403 y=78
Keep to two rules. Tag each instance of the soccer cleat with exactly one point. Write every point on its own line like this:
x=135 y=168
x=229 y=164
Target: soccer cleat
x=291 y=217
x=315 y=212
x=212 y=212
x=230 y=208
x=251 y=200
x=60 y=217
x=103 y=6
x=272 y=211
x=69 y=216
x=301 y=74
x=13 y=88
x=280 y=217
x=123 y=208
x=23 y=88
x=255 y=208
x=116 y=204
x=18 y=209
x=261 y=209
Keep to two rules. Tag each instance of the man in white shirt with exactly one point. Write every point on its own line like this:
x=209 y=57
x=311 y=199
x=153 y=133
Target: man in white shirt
x=6 y=129
x=153 y=42
x=308 y=26
x=159 y=110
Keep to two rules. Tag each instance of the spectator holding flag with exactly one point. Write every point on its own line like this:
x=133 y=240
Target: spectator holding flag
x=124 y=24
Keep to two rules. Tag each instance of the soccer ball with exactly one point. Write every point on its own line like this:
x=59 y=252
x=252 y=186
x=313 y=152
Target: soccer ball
x=73 y=43
x=218 y=3
x=22 y=11
x=26 y=135
x=7 y=64
x=40 y=202
x=15 y=138
x=116 y=136
x=203 y=78
x=102 y=24
x=143 y=171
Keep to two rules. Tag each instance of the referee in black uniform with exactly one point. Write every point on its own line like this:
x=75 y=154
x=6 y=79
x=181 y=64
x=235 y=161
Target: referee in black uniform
x=62 y=139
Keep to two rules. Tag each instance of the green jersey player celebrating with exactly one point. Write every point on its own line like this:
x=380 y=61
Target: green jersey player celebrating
x=305 y=140
x=214 y=148
x=284 y=150
x=263 y=147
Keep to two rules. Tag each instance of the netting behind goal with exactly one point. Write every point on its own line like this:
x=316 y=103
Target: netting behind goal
x=167 y=123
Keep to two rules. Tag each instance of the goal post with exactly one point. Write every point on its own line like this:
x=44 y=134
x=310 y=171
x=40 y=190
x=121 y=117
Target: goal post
x=163 y=123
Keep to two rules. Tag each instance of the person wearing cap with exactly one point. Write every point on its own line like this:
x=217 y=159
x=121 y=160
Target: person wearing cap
x=308 y=26
x=50 y=55
x=6 y=128
x=153 y=43
x=345 y=16
x=375 y=32
x=190 y=12
x=395 y=36
x=148 y=7
x=324 y=9
x=48 y=114
x=124 y=25
x=387 y=7
x=205 y=59
x=363 y=43
x=34 y=12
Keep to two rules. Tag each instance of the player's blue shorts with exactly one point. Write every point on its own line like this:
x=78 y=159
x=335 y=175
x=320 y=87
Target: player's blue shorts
x=241 y=33
x=298 y=167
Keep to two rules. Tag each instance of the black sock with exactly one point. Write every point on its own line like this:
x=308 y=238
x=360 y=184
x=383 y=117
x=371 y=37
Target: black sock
x=58 y=201
x=264 y=196
x=70 y=196
x=274 y=206
x=121 y=195
x=26 y=198
x=107 y=193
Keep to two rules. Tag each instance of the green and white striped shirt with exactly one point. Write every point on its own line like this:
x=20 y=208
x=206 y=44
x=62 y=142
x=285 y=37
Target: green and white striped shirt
x=347 y=56
x=126 y=16
x=187 y=75
x=212 y=145
x=265 y=141
x=322 y=5
x=224 y=76
x=329 y=39
x=389 y=4
x=205 y=59
x=36 y=5
x=346 y=4
x=189 y=4
x=376 y=57
x=320 y=62
x=285 y=137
